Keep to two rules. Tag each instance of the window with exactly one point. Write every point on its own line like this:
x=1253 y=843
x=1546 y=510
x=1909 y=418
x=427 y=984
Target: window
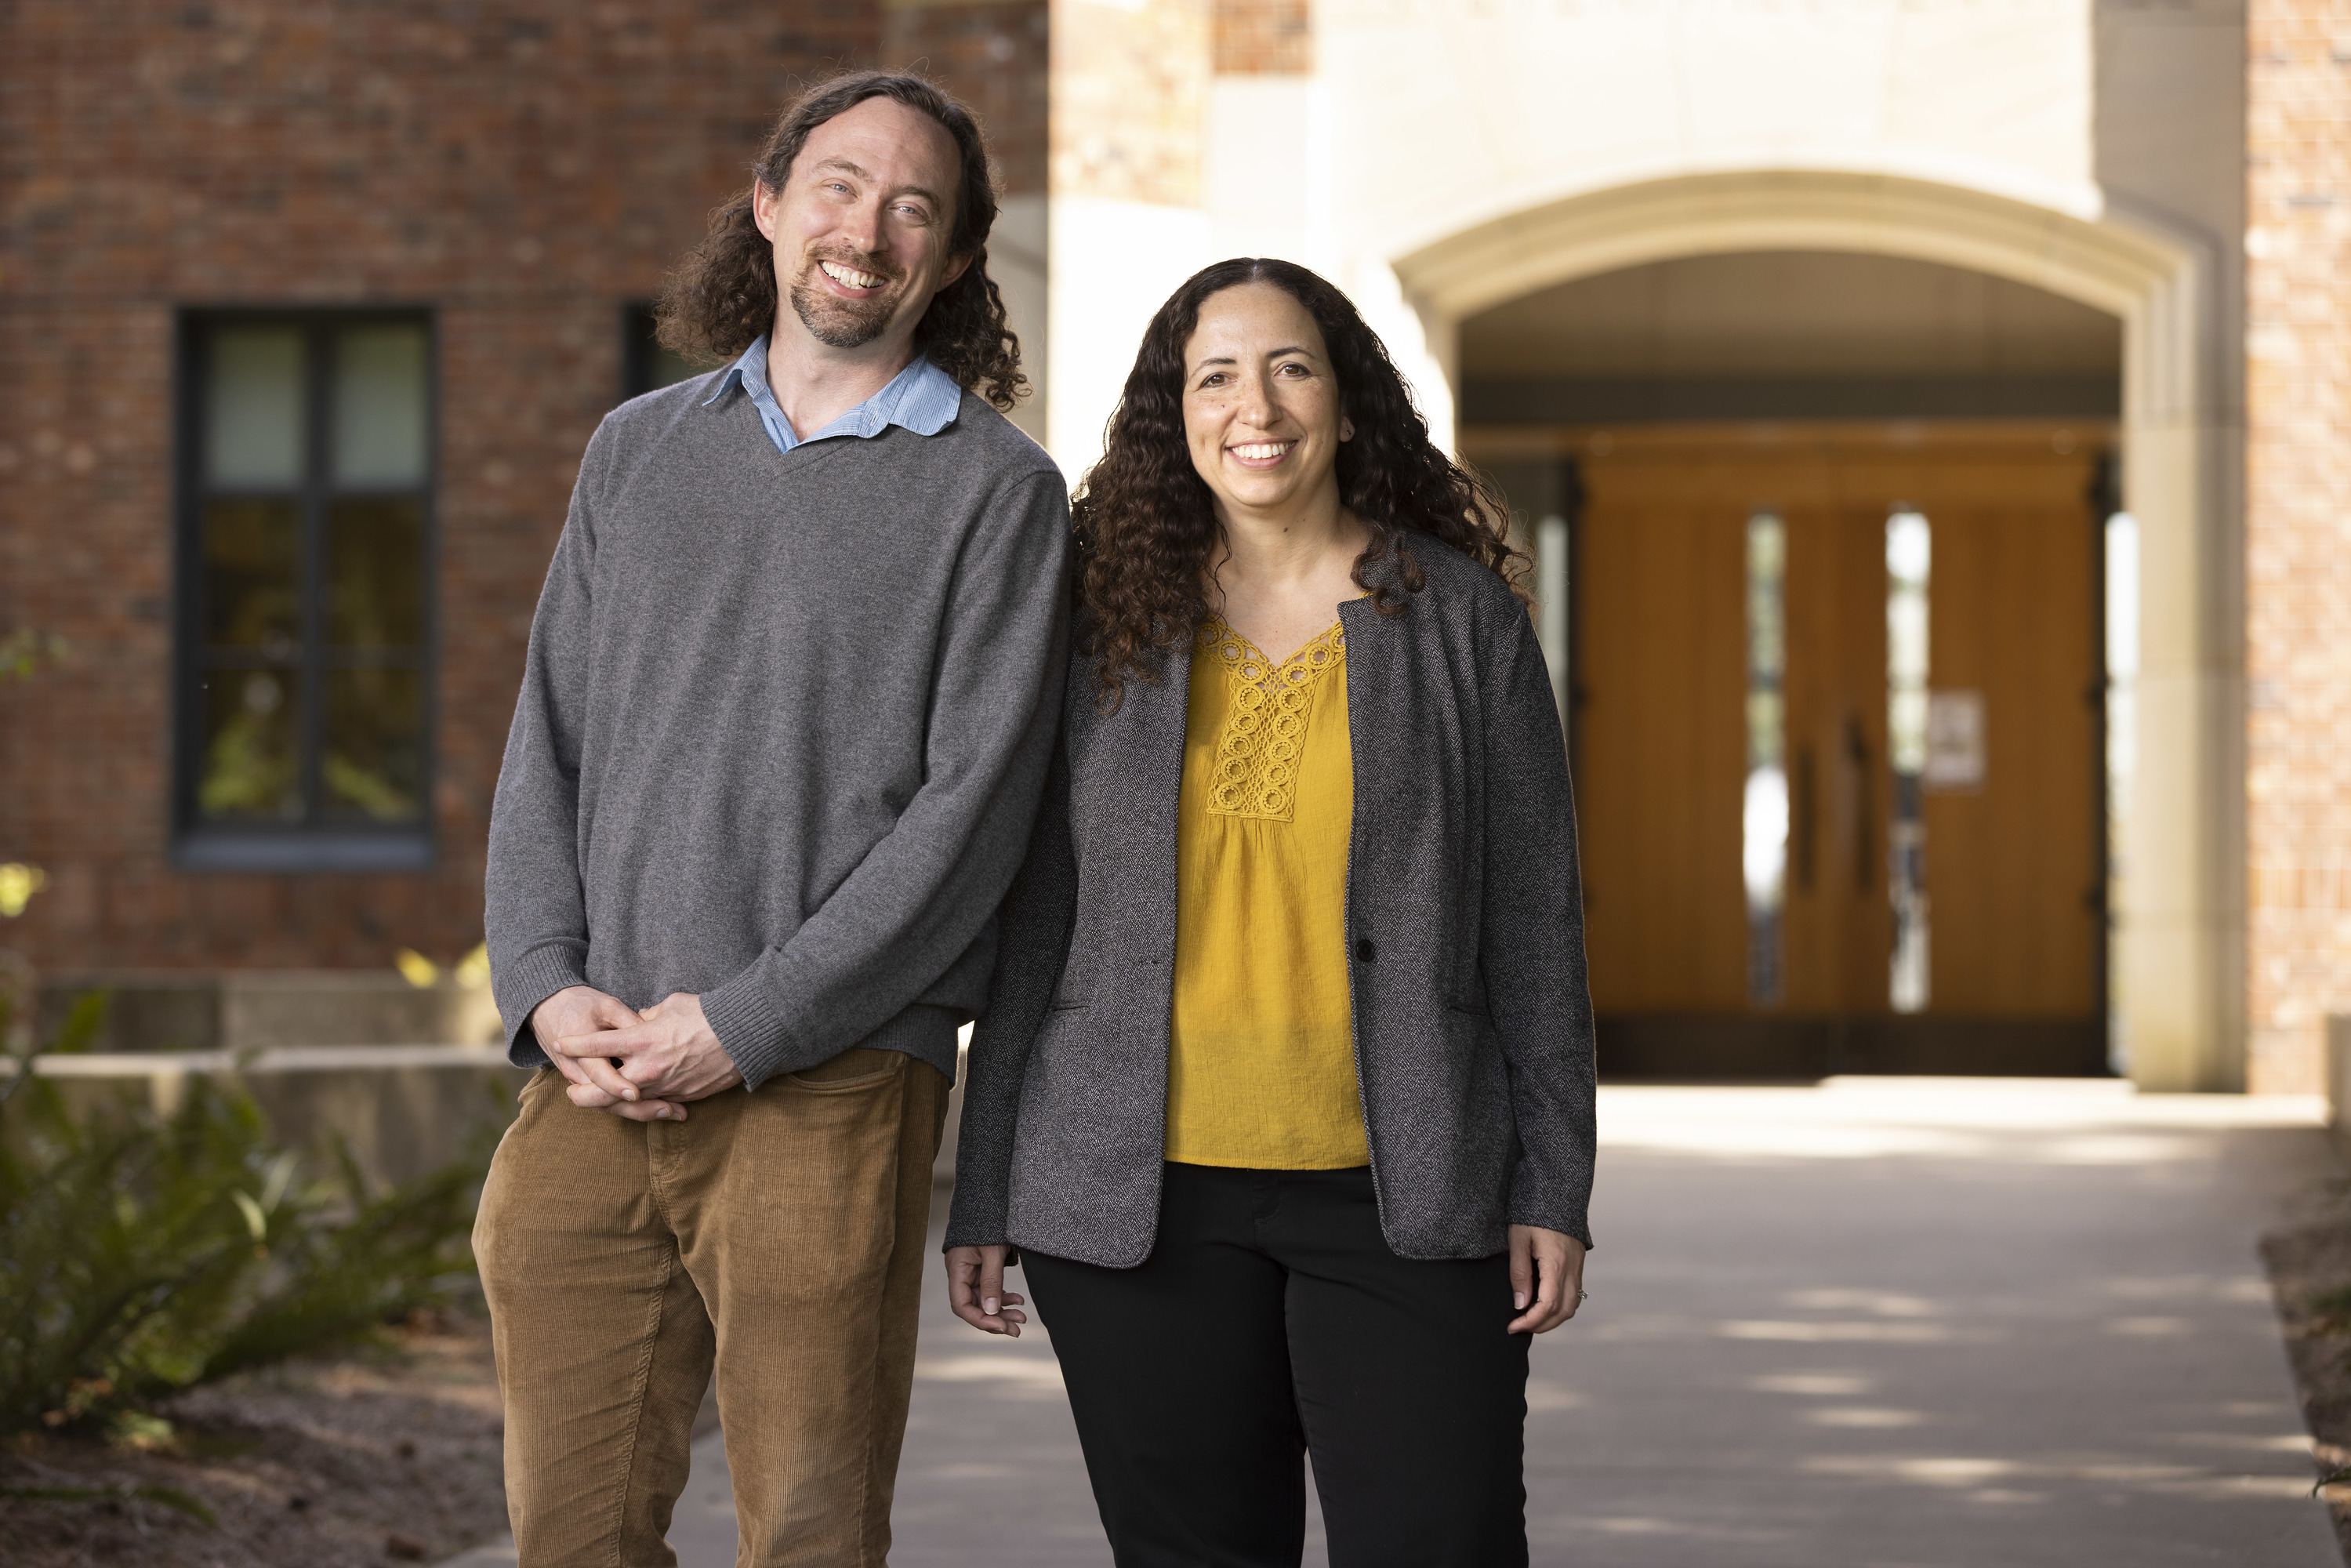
x=1763 y=824
x=646 y=365
x=305 y=696
x=1909 y=566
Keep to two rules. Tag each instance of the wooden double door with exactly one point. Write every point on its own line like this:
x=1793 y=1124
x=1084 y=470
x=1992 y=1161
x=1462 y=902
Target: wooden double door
x=1762 y=838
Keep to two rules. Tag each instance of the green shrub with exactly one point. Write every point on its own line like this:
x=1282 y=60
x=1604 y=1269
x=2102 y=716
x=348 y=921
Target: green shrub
x=141 y=1254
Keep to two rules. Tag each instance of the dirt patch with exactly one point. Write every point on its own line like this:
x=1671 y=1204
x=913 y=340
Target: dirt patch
x=2310 y=1272
x=387 y=1456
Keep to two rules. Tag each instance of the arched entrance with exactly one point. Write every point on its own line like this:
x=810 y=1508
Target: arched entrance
x=2176 y=936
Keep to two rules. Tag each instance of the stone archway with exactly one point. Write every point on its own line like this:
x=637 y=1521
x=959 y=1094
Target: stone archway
x=2178 y=942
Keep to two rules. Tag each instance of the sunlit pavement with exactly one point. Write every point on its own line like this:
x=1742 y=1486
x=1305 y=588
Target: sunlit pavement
x=1894 y=1321
x=1879 y=1322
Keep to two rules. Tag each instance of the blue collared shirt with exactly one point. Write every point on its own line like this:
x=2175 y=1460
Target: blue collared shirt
x=922 y=398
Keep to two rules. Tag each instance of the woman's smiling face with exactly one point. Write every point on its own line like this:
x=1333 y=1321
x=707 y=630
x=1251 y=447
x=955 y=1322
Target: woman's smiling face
x=1261 y=408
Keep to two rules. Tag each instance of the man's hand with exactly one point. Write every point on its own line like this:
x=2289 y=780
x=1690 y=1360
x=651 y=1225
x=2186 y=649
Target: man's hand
x=666 y=1056
x=582 y=1013
x=1546 y=1277
x=976 y=1292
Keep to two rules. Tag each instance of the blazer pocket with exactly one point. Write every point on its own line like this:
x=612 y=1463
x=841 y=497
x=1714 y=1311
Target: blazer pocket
x=1068 y=1005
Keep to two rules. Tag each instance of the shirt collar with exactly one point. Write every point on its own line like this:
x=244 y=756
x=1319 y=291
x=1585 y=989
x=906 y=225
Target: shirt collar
x=922 y=398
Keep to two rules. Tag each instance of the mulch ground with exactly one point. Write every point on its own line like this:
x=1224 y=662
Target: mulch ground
x=2310 y=1272
x=390 y=1455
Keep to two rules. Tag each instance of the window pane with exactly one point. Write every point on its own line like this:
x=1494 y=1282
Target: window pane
x=253 y=407
x=374 y=761
x=379 y=405
x=1909 y=567
x=1764 y=820
x=375 y=573
x=249 y=766
x=253 y=564
x=646 y=366
x=665 y=367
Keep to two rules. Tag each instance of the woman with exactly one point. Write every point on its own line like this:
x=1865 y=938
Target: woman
x=1285 y=1092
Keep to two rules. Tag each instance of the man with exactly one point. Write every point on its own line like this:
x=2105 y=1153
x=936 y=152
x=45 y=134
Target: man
x=785 y=715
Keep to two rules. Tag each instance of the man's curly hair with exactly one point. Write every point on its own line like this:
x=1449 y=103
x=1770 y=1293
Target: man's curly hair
x=723 y=295
x=1145 y=524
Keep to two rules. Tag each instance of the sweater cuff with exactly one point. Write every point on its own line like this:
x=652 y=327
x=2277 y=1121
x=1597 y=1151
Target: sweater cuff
x=528 y=981
x=748 y=1030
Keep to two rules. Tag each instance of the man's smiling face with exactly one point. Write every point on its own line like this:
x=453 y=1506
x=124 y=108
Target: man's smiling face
x=861 y=228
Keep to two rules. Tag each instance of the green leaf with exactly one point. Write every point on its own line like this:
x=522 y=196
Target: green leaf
x=281 y=1172
x=130 y=1270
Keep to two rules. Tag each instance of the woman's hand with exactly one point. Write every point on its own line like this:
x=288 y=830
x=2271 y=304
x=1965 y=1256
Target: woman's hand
x=976 y=1291
x=1546 y=1270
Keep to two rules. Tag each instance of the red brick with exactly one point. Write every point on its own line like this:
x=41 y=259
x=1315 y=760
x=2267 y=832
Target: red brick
x=521 y=168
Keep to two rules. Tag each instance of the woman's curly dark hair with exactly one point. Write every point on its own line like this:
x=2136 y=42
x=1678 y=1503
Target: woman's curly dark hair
x=1146 y=528
x=722 y=295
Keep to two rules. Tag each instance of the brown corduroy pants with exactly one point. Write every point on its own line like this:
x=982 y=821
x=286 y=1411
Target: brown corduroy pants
x=778 y=1233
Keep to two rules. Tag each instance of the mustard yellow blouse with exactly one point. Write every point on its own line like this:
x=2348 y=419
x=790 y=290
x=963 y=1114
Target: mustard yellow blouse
x=1262 y=1067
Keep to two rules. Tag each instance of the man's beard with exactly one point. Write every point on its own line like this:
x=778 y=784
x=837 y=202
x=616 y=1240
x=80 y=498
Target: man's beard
x=840 y=323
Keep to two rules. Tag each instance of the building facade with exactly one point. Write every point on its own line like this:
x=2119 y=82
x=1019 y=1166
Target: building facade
x=1960 y=382
x=307 y=313
x=1856 y=228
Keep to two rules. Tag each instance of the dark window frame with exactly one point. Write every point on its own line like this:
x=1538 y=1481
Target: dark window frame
x=319 y=842
x=636 y=348
x=641 y=355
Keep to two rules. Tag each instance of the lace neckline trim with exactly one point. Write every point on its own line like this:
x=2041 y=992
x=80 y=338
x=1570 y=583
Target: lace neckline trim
x=1248 y=664
x=1256 y=767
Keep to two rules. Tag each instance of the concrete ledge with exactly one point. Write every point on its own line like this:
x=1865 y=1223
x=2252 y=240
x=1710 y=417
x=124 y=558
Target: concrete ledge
x=277 y=1059
x=402 y=1110
x=251 y=1009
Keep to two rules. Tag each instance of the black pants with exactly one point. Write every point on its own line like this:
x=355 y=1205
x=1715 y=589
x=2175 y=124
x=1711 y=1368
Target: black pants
x=1272 y=1319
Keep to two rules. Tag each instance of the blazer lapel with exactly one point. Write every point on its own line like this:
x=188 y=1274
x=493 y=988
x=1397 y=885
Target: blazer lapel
x=1126 y=772
x=1160 y=729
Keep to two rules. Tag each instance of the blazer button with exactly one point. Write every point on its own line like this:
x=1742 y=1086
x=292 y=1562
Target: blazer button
x=1365 y=951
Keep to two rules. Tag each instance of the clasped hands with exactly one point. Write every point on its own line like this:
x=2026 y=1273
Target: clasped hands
x=641 y=1066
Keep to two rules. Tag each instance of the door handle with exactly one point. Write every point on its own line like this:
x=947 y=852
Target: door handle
x=1805 y=828
x=1857 y=751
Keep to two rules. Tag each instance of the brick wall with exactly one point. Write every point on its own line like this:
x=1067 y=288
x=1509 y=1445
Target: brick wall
x=1264 y=37
x=522 y=167
x=2298 y=533
x=1129 y=91
x=991 y=56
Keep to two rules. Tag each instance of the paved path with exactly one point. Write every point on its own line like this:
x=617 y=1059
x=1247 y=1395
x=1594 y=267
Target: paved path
x=1908 y=1323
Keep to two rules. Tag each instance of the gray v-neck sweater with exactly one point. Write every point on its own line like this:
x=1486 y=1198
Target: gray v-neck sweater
x=783 y=725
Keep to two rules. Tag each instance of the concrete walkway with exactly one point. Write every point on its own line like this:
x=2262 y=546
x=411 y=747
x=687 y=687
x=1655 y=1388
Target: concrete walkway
x=1880 y=1322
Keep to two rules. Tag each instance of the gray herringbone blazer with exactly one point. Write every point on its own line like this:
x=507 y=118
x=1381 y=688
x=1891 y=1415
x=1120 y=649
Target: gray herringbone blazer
x=1465 y=932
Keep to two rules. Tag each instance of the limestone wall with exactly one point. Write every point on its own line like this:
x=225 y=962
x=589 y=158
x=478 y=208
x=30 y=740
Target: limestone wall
x=1437 y=158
